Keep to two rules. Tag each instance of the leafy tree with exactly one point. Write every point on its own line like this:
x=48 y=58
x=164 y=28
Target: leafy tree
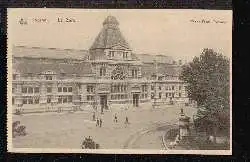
x=208 y=79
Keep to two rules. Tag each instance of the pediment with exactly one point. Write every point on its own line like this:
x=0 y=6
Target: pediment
x=49 y=72
x=119 y=47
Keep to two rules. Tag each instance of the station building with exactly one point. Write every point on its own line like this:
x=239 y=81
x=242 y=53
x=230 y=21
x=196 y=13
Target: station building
x=108 y=74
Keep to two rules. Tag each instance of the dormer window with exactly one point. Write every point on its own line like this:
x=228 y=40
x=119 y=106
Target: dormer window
x=48 y=77
x=111 y=54
x=125 y=55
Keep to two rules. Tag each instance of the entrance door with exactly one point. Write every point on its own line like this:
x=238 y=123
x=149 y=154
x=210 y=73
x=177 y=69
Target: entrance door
x=103 y=102
x=136 y=100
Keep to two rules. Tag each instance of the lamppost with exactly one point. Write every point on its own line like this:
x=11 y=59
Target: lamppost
x=155 y=65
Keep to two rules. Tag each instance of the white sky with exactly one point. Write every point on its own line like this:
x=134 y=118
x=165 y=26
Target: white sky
x=167 y=32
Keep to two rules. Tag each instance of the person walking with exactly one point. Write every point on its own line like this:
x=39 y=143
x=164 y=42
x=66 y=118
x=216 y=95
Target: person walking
x=97 y=122
x=100 y=123
x=126 y=120
x=93 y=117
x=115 y=119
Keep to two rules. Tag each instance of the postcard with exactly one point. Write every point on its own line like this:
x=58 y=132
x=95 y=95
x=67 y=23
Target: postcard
x=119 y=81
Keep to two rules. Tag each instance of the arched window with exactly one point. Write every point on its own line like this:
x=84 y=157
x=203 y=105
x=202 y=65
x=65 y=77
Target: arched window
x=102 y=71
x=134 y=73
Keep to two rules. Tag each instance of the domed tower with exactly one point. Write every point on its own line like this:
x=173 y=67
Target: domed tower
x=110 y=43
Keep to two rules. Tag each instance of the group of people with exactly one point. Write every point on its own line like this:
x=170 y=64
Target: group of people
x=98 y=121
x=116 y=119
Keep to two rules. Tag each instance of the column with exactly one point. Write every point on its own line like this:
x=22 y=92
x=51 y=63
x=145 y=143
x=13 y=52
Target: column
x=75 y=93
x=83 y=94
x=139 y=72
x=54 y=94
x=43 y=91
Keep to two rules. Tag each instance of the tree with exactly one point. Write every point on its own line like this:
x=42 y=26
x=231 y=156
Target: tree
x=208 y=83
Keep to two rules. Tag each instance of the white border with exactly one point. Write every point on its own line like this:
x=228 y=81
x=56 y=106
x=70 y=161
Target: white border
x=96 y=151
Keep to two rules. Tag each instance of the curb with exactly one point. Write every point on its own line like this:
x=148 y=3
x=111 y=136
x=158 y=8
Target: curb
x=164 y=142
x=134 y=137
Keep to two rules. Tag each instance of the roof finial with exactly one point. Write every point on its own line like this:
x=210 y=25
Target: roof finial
x=111 y=20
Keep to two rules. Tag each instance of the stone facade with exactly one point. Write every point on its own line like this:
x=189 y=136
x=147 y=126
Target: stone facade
x=108 y=74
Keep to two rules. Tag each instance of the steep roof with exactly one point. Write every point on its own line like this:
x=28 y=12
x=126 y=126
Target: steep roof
x=149 y=69
x=110 y=35
x=147 y=58
x=40 y=52
x=35 y=67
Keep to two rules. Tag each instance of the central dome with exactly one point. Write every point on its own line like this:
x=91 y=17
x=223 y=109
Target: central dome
x=111 y=20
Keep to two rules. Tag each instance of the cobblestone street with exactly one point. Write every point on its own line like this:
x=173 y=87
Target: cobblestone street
x=67 y=130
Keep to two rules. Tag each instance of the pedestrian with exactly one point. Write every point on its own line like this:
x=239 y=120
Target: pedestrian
x=126 y=120
x=94 y=116
x=115 y=119
x=97 y=122
x=100 y=123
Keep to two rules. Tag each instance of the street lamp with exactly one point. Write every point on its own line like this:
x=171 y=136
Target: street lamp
x=155 y=65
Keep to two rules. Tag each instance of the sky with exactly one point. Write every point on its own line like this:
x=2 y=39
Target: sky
x=166 y=32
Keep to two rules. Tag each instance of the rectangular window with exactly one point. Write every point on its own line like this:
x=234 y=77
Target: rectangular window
x=49 y=100
x=36 y=100
x=48 y=77
x=90 y=89
x=64 y=99
x=134 y=73
x=25 y=101
x=69 y=89
x=172 y=87
x=49 y=89
x=166 y=95
x=152 y=87
x=60 y=99
x=159 y=95
x=179 y=94
x=64 y=89
x=125 y=55
x=59 y=89
x=36 y=89
x=30 y=101
x=30 y=90
x=14 y=77
x=159 y=87
x=13 y=100
x=179 y=87
x=69 y=98
x=89 y=98
x=13 y=90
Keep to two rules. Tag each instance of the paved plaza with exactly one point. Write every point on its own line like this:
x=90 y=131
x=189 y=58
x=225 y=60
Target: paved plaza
x=67 y=130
